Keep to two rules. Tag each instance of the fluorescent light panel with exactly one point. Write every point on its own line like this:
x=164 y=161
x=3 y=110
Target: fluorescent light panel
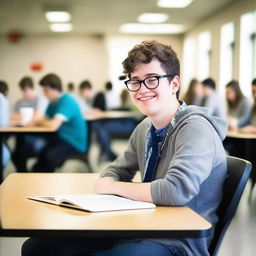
x=138 y=28
x=58 y=16
x=61 y=27
x=153 y=17
x=174 y=3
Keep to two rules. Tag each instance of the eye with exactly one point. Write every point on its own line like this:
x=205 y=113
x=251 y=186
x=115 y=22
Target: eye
x=151 y=80
x=135 y=83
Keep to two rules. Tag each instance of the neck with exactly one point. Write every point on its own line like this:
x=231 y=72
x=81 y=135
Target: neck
x=56 y=96
x=165 y=117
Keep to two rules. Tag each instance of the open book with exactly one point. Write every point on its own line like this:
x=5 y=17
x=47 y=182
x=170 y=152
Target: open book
x=94 y=202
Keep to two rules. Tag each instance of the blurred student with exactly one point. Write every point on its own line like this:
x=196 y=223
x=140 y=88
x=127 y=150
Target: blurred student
x=30 y=98
x=106 y=100
x=34 y=143
x=84 y=98
x=239 y=106
x=250 y=126
x=212 y=99
x=71 y=88
x=194 y=93
x=178 y=150
x=4 y=119
x=64 y=116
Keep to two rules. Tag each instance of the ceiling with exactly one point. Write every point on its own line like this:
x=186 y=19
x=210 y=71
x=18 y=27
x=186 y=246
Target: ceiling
x=97 y=17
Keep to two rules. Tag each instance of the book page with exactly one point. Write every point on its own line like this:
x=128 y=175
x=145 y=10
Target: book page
x=96 y=202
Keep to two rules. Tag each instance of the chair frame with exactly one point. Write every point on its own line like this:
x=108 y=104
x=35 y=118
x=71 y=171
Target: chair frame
x=238 y=174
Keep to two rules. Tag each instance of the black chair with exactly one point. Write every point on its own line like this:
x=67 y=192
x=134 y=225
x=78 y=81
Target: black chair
x=238 y=174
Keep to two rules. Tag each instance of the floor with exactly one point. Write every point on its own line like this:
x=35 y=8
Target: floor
x=239 y=239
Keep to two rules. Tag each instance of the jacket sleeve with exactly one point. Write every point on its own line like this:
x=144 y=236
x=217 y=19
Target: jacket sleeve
x=194 y=153
x=125 y=166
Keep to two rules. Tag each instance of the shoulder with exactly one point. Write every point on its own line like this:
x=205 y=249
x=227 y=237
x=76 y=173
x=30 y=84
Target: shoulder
x=246 y=101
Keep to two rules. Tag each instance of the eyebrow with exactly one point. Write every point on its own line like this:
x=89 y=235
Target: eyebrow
x=147 y=75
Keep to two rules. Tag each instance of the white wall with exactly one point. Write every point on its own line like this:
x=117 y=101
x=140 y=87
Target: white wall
x=231 y=13
x=73 y=58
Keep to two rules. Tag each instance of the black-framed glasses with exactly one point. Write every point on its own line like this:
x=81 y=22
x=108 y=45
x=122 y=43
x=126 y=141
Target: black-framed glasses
x=151 y=83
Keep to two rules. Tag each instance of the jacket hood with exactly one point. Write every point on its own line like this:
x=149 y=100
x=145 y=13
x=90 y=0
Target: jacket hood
x=219 y=124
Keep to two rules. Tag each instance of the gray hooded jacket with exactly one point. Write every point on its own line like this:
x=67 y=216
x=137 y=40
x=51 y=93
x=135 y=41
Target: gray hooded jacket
x=190 y=172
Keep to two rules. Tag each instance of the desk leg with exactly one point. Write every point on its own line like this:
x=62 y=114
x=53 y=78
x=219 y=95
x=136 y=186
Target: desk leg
x=1 y=158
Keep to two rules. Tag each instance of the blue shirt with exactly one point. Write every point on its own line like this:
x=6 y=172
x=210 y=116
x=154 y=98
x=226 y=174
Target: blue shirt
x=74 y=129
x=161 y=133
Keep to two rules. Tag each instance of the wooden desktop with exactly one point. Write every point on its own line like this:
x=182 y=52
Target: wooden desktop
x=22 y=217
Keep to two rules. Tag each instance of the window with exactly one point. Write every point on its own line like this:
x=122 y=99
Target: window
x=204 y=54
x=226 y=53
x=189 y=60
x=247 y=51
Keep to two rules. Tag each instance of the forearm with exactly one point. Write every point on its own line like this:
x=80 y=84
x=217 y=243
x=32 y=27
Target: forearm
x=135 y=191
x=49 y=123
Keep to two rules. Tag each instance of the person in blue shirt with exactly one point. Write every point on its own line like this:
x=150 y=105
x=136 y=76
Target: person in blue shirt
x=63 y=115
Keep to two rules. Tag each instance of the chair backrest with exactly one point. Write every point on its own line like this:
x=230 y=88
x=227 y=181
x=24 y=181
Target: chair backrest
x=238 y=175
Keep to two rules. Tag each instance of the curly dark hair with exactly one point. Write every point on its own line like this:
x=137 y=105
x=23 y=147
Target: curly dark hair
x=146 y=51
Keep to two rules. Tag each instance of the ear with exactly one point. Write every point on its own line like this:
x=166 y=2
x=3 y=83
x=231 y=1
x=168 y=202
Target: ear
x=175 y=84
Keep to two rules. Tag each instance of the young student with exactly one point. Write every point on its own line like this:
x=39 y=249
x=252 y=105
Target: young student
x=63 y=115
x=239 y=106
x=194 y=93
x=4 y=119
x=212 y=99
x=178 y=150
x=30 y=98
x=106 y=100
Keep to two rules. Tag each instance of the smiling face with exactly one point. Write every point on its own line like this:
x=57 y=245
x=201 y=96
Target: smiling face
x=159 y=102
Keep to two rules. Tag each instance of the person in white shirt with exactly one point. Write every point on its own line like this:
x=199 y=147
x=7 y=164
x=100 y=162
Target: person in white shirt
x=4 y=119
x=213 y=99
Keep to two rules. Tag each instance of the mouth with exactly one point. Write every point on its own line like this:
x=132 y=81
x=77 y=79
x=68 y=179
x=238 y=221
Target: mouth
x=146 y=98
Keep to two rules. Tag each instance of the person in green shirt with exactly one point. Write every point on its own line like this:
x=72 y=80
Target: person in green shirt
x=64 y=116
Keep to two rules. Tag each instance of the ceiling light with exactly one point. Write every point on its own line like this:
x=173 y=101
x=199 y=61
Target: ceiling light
x=174 y=3
x=153 y=17
x=138 y=28
x=58 y=16
x=61 y=27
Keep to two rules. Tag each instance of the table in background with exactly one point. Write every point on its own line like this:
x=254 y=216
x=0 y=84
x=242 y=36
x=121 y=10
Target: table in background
x=22 y=131
x=113 y=114
x=22 y=217
x=249 y=140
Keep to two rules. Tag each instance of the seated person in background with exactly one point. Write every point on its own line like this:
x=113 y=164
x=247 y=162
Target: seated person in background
x=30 y=98
x=4 y=119
x=194 y=93
x=106 y=128
x=63 y=115
x=71 y=88
x=106 y=100
x=238 y=106
x=177 y=148
x=251 y=125
x=84 y=99
x=212 y=99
